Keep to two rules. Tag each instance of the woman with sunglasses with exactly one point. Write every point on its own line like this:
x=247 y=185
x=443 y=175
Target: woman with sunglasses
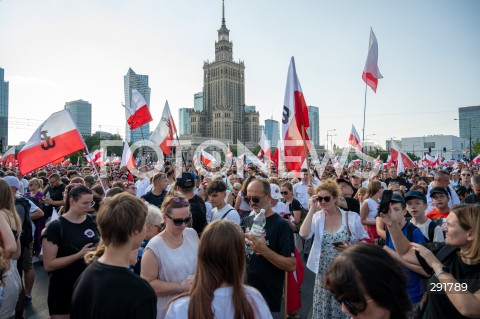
x=65 y=243
x=334 y=229
x=170 y=258
x=368 y=283
x=218 y=290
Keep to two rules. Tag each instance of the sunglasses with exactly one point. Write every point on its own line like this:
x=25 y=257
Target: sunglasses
x=284 y=193
x=179 y=221
x=326 y=199
x=466 y=175
x=255 y=199
x=352 y=309
x=178 y=200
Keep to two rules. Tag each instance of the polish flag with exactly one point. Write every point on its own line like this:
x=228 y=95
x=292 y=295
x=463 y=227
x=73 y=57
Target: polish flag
x=430 y=161
x=354 y=139
x=378 y=161
x=165 y=131
x=395 y=152
x=58 y=136
x=400 y=166
x=208 y=159
x=96 y=156
x=276 y=157
x=139 y=112
x=127 y=157
x=265 y=146
x=294 y=122
x=371 y=73
x=294 y=282
x=66 y=162
x=476 y=160
x=229 y=152
x=9 y=157
x=116 y=160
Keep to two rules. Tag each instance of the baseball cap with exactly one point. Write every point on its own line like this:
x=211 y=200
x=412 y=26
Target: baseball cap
x=12 y=181
x=185 y=180
x=415 y=194
x=397 y=199
x=439 y=190
x=275 y=191
x=89 y=178
x=343 y=180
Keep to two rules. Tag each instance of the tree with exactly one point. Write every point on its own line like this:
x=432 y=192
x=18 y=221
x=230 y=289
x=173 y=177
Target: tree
x=475 y=148
x=413 y=156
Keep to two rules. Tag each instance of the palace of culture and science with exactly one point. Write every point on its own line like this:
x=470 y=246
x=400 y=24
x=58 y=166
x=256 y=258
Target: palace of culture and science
x=224 y=116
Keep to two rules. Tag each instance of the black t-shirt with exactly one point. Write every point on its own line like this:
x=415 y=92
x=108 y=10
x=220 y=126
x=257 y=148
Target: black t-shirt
x=352 y=205
x=105 y=291
x=439 y=306
x=153 y=199
x=55 y=193
x=398 y=179
x=261 y=273
x=294 y=206
x=199 y=213
x=471 y=199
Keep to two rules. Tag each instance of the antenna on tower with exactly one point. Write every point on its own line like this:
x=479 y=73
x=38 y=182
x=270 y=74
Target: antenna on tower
x=223 y=12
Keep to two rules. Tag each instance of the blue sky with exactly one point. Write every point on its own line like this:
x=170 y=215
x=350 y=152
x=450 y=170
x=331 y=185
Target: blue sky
x=54 y=51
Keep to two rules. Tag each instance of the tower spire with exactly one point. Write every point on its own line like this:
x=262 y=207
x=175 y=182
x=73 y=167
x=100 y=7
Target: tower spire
x=223 y=12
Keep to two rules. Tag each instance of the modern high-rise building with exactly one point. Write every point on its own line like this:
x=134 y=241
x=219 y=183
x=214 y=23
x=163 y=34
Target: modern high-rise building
x=140 y=83
x=272 y=132
x=82 y=115
x=198 y=101
x=3 y=111
x=184 y=121
x=250 y=108
x=469 y=123
x=224 y=116
x=314 y=130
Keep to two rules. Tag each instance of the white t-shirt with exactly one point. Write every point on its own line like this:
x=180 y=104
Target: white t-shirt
x=142 y=186
x=437 y=234
x=222 y=304
x=232 y=215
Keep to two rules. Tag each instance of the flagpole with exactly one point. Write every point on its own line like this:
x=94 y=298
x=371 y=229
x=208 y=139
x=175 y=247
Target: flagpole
x=364 y=113
x=183 y=159
x=310 y=180
x=95 y=169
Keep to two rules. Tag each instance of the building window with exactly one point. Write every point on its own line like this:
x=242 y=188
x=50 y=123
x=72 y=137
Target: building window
x=429 y=145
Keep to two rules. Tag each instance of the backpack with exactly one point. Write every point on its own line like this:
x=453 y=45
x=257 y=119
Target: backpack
x=431 y=230
x=26 y=236
x=410 y=228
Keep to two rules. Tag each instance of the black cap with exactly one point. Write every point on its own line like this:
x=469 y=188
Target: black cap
x=343 y=180
x=439 y=190
x=397 y=199
x=415 y=194
x=185 y=180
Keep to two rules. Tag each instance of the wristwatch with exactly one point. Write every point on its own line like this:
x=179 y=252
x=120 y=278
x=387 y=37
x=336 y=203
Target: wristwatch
x=443 y=270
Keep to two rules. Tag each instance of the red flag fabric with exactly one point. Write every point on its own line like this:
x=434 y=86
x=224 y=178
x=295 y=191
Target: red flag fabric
x=295 y=115
x=371 y=73
x=9 y=157
x=265 y=146
x=140 y=114
x=165 y=131
x=276 y=157
x=127 y=157
x=208 y=159
x=476 y=160
x=66 y=162
x=354 y=139
x=58 y=136
x=294 y=281
x=395 y=152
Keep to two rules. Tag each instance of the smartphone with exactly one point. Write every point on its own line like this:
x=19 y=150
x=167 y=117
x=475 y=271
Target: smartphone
x=385 y=202
x=337 y=243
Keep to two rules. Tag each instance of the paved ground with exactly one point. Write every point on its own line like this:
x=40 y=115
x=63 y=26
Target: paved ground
x=39 y=307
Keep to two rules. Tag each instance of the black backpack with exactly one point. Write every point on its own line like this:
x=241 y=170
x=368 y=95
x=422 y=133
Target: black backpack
x=431 y=230
x=26 y=236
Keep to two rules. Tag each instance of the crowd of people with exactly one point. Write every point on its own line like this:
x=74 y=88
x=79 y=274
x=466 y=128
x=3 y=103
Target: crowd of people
x=181 y=245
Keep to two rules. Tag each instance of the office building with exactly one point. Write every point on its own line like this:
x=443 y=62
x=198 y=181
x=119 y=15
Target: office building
x=469 y=123
x=448 y=146
x=314 y=130
x=224 y=116
x=272 y=131
x=82 y=115
x=3 y=111
x=140 y=83
x=184 y=121
x=198 y=101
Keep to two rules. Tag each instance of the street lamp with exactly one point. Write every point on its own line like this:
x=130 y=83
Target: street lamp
x=470 y=135
x=330 y=134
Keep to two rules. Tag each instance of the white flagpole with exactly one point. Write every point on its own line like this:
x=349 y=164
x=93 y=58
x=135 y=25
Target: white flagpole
x=95 y=169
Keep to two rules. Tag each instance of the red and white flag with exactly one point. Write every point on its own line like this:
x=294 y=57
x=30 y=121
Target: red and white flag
x=377 y=161
x=371 y=73
x=96 y=156
x=139 y=112
x=354 y=139
x=476 y=160
x=127 y=157
x=395 y=152
x=294 y=282
x=208 y=159
x=66 y=162
x=265 y=146
x=294 y=122
x=58 y=136
x=9 y=157
x=165 y=131
x=116 y=160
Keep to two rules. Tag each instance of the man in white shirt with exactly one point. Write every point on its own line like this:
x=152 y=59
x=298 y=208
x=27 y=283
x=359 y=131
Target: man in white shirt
x=217 y=191
x=300 y=190
x=442 y=179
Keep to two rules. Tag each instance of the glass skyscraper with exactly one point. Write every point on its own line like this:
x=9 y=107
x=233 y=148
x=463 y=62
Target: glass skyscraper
x=140 y=83
x=184 y=119
x=469 y=122
x=198 y=101
x=272 y=132
x=82 y=115
x=314 y=130
x=3 y=111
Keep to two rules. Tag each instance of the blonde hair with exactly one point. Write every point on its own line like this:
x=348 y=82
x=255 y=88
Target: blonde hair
x=469 y=219
x=331 y=186
x=7 y=205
